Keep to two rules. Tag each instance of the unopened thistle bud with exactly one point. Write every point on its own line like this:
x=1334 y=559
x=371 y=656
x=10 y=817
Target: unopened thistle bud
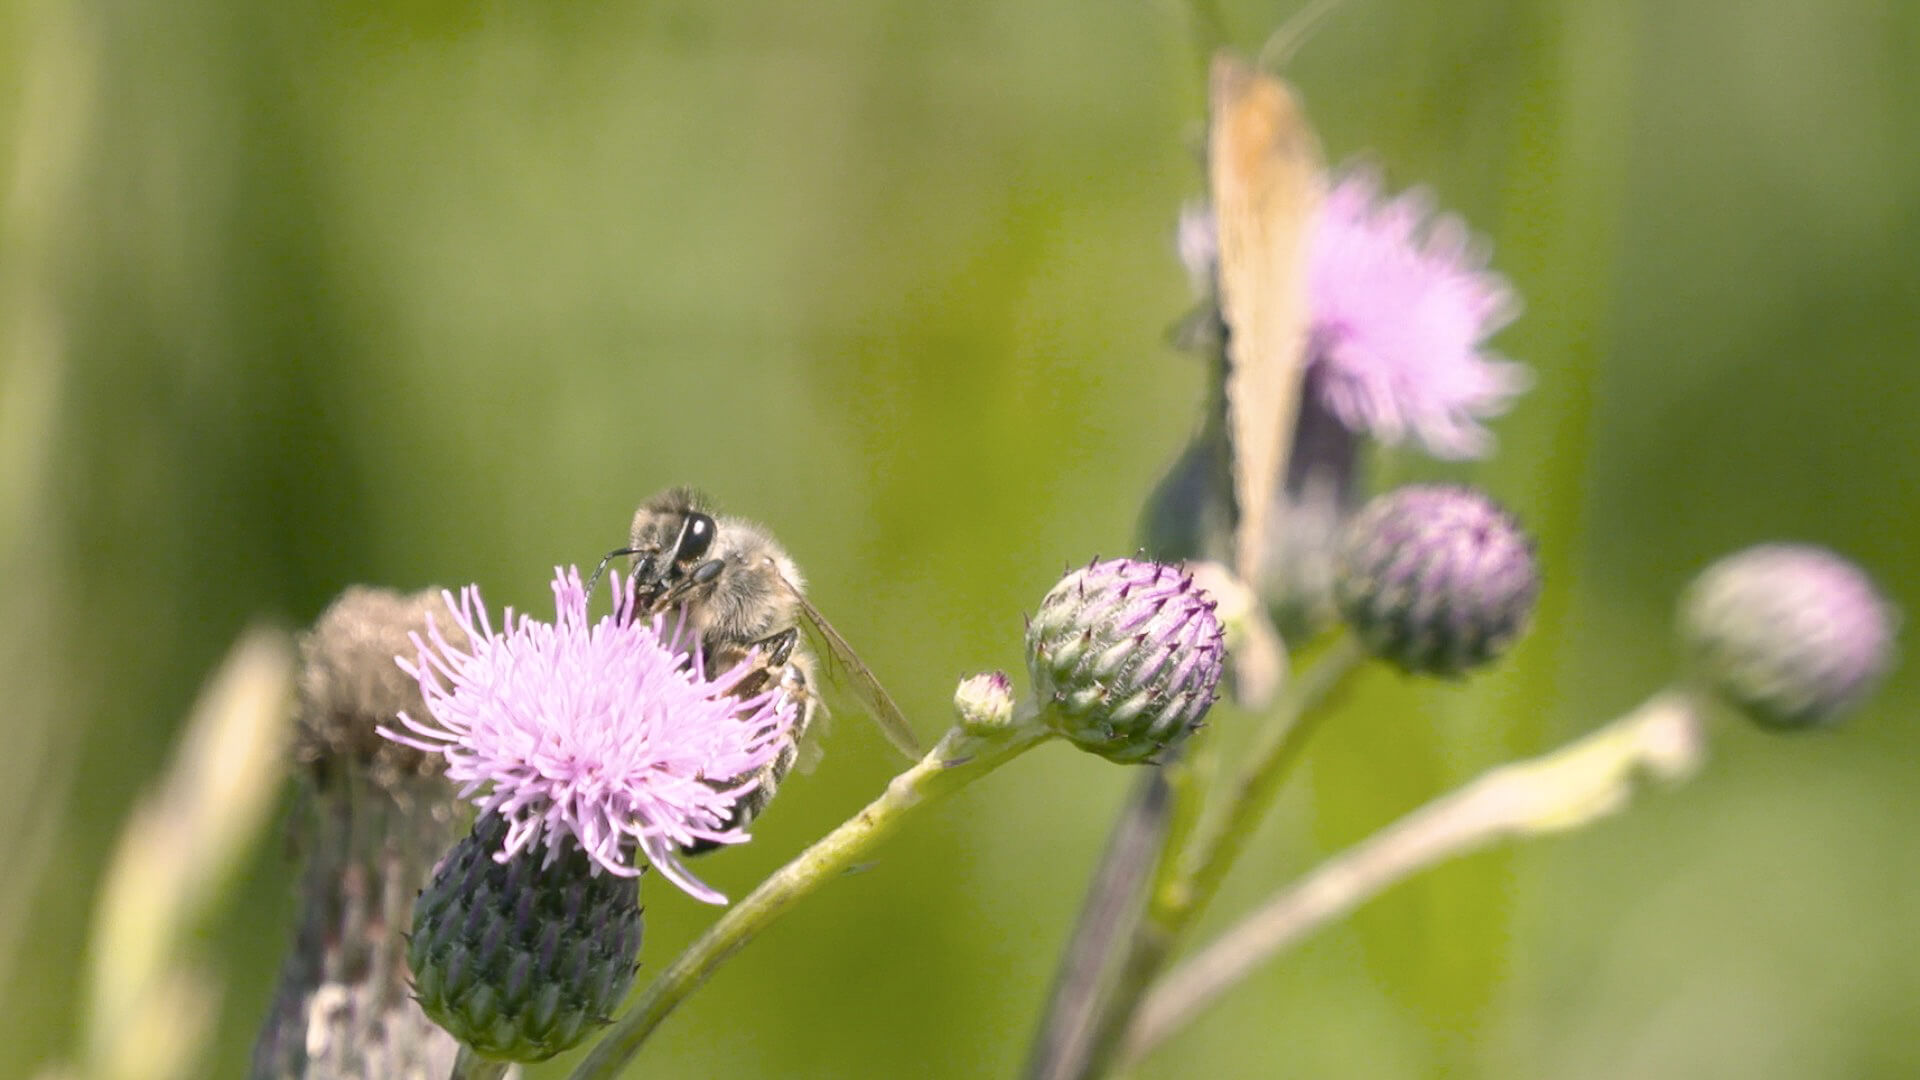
x=984 y=702
x=521 y=959
x=1791 y=635
x=1128 y=656
x=1438 y=580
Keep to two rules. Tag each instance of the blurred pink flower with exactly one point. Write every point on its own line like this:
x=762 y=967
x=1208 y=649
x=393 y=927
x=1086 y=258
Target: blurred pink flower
x=1400 y=305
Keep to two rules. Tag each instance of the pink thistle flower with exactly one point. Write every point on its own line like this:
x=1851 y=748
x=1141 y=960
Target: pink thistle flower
x=1402 y=303
x=604 y=732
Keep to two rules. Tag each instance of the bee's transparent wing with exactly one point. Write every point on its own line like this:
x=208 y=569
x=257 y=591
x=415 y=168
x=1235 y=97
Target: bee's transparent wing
x=809 y=747
x=810 y=752
x=860 y=680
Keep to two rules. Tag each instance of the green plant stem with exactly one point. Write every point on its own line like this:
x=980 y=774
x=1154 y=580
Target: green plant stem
x=471 y=1066
x=1159 y=816
x=1112 y=909
x=1188 y=879
x=1566 y=789
x=1203 y=864
x=960 y=758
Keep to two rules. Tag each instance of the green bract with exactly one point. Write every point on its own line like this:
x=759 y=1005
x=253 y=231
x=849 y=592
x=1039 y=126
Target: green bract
x=518 y=960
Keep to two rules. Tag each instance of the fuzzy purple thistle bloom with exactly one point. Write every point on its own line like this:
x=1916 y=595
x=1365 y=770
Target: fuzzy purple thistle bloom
x=603 y=732
x=1400 y=304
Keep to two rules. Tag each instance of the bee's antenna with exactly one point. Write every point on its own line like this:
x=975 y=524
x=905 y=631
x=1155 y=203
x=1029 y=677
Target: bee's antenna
x=594 y=581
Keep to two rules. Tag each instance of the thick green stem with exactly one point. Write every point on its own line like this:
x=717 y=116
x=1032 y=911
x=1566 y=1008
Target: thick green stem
x=1109 y=915
x=959 y=759
x=344 y=1008
x=1204 y=863
x=471 y=1066
x=1188 y=879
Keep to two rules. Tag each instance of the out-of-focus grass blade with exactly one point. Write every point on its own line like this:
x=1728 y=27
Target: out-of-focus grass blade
x=147 y=1010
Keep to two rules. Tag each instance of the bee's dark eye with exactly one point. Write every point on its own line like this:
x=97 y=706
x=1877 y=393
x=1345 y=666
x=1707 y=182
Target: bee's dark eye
x=696 y=536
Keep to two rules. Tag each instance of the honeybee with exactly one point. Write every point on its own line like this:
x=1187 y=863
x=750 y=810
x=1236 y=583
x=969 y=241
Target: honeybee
x=742 y=593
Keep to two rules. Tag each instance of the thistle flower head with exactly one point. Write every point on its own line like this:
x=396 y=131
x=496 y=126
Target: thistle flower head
x=1128 y=654
x=520 y=960
x=1789 y=634
x=1435 y=579
x=349 y=685
x=1400 y=304
x=608 y=733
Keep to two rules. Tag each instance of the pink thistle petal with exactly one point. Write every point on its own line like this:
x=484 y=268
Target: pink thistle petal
x=1402 y=303
x=605 y=734
x=666 y=858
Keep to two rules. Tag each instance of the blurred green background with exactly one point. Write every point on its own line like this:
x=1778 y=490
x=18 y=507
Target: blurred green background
x=300 y=295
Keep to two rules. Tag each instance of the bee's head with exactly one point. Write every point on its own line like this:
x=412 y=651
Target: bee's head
x=672 y=535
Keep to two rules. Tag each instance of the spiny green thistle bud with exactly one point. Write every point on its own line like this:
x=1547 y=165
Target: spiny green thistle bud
x=1790 y=635
x=984 y=701
x=1128 y=654
x=1438 y=580
x=521 y=960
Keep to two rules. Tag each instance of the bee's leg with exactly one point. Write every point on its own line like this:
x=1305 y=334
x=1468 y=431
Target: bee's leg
x=756 y=800
x=778 y=648
x=651 y=581
x=675 y=587
x=774 y=656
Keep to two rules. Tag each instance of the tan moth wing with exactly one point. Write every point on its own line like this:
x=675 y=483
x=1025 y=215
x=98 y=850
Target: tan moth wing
x=859 y=678
x=1264 y=170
